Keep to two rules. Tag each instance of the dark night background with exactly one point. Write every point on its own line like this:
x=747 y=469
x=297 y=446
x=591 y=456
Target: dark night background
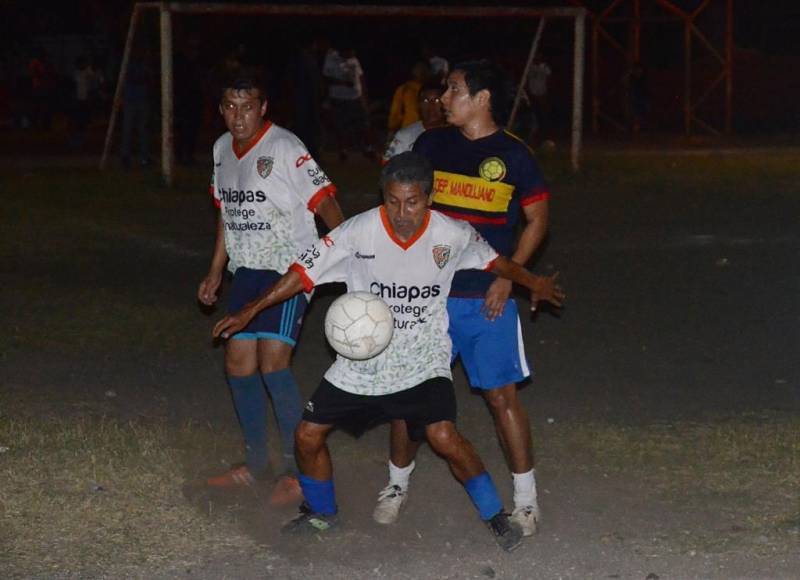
x=766 y=55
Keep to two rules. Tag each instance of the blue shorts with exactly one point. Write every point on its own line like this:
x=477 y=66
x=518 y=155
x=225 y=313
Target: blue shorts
x=281 y=322
x=491 y=351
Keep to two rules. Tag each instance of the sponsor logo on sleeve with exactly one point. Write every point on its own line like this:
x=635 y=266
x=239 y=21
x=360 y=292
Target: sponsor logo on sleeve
x=441 y=255
x=302 y=159
x=328 y=241
x=264 y=166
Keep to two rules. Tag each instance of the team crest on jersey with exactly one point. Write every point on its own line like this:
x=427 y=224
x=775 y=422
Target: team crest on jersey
x=264 y=166
x=441 y=255
x=492 y=169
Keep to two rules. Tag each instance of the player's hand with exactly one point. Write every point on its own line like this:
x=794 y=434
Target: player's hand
x=232 y=323
x=207 y=291
x=548 y=290
x=496 y=297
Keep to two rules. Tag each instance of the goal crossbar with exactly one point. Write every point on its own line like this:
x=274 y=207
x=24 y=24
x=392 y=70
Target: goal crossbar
x=166 y=9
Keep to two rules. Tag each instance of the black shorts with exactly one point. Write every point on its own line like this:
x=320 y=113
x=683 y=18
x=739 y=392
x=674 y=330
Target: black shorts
x=427 y=403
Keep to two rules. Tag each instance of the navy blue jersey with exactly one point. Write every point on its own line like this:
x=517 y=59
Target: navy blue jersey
x=485 y=182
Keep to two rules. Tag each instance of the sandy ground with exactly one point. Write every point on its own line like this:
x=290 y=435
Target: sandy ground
x=679 y=308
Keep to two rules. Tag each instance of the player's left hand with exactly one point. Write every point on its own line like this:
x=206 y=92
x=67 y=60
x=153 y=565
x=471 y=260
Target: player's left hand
x=232 y=324
x=548 y=290
x=496 y=297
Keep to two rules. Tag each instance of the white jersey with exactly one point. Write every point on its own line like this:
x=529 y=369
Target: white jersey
x=403 y=140
x=267 y=196
x=412 y=277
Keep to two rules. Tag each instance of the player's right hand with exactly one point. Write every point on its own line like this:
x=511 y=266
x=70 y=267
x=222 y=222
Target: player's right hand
x=207 y=291
x=232 y=323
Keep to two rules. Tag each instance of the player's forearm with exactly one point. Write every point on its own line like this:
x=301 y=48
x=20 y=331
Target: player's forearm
x=287 y=286
x=220 y=256
x=330 y=213
x=509 y=270
x=535 y=230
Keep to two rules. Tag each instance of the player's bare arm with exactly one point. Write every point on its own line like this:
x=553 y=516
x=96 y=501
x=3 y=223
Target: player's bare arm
x=289 y=285
x=536 y=216
x=542 y=287
x=207 y=291
x=329 y=212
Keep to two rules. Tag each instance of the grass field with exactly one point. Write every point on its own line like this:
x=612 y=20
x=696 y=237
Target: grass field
x=99 y=269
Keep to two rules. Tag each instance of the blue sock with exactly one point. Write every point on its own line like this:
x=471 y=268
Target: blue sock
x=320 y=495
x=250 y=401
x=483 y=494
x=288 y=407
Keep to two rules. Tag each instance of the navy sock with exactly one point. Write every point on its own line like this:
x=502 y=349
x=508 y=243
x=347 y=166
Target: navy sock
x=288 y=407
x=250 y=401
x=320 y=495
x=484 y=495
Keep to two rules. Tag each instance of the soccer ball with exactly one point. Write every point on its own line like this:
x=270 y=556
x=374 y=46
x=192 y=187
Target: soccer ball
x=359 y=325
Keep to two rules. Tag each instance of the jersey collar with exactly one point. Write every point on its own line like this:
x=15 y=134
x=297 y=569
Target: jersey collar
x=387 y=225
x=256 y=138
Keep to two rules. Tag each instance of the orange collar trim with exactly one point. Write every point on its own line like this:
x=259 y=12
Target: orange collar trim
x=387 y=225
x=256 y=138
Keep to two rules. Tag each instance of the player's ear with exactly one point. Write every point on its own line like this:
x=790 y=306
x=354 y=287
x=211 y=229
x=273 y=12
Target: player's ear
x=264 y=107
x=483 y=97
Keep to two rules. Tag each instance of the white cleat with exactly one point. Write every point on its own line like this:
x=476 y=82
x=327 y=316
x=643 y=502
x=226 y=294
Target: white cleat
x=390 y=500
x=527 y=518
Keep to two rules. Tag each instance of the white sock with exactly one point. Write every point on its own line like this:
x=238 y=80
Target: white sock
x=524 y=488
x=400 y=475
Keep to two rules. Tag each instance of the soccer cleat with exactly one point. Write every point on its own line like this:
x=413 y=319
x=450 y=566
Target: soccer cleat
x=390 y=500
x=286 y=491
x=236 y=477
x=309 y=522
x=527 y=518
x=507 y=535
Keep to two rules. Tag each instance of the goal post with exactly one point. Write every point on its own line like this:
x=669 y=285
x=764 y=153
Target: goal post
x=167 y=9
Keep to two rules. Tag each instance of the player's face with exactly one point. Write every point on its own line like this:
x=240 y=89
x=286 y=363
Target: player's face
x=430 y=108
x=406 y=206
x=460 y=108
x=243 y=112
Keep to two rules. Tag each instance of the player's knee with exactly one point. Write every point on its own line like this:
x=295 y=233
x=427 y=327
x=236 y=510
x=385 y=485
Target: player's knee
x=443 y=437
x=308 y=439
x=240 y=362
x=501 y=399
x=268 y=366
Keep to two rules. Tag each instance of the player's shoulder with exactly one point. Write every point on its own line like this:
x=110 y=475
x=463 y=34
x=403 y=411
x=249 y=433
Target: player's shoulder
x=280 y=136
x=444 y=223
x=437 y=135
x=224 y=140
x=516 y=145
x=364 y=219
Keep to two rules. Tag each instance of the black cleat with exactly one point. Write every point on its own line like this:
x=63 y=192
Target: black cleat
x=309 y=522
x=507 y=535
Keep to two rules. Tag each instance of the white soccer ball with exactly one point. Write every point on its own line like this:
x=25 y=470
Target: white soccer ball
x=359 y=325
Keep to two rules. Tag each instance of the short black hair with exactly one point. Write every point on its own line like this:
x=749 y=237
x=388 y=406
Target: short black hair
x=408 y=167
x=244 y=81
x=432 y=84
x=482 y=75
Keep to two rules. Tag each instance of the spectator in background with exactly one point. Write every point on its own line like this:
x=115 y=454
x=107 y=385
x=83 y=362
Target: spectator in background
x=306 y=81
x=538 y=80
x=440 y=68
x=429 y=103
x=348 y=100
x=42 y=77
x=87 y=81
x=188 y=104
x=636 y=95
x=136 y=107
x=403 y=111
